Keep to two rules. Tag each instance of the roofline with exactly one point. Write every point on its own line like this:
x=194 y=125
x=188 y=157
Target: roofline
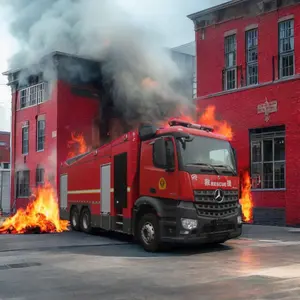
x=51 y=54
x=215 y=8
x=5 y=132
x=191 y=42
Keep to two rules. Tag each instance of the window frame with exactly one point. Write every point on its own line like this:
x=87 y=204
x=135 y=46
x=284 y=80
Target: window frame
x=43 y=137
x=229 y=69
x=247 y=50
x=25 y=127
x=18 y=184
x=6 y=164
x=286 y=53
x=40 y=174
x=261 y=137
x=33 y=95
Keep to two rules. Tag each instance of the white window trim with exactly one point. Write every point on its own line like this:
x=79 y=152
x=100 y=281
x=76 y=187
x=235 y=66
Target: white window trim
x=23 y=127
x=28 y=89
x=40 y=118
x=263 y=137
x=251 y=64
x=227 y=69
x=288 y=53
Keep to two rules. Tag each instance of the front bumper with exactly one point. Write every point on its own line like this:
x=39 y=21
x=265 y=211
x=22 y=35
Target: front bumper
x=208 y=230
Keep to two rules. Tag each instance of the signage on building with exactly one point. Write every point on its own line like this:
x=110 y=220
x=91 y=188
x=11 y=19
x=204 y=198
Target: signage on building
x=267 y=108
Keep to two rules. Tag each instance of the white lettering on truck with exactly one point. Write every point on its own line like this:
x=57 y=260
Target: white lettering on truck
x=208 y=182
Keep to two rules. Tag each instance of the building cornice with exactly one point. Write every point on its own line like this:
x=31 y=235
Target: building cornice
x=236 y=9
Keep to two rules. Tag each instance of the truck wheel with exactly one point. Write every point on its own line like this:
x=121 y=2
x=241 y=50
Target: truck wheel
x=74 y=219
x=85 y=220
x=148 y=233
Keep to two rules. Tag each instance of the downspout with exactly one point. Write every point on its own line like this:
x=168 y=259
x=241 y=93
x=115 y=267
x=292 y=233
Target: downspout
x=13 y=136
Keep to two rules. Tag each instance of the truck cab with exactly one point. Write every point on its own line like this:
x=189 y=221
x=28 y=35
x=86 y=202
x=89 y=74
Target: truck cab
x=189 y=174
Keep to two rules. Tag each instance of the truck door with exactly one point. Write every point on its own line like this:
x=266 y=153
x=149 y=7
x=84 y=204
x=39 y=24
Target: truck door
x=120 y=182
x=155 y=180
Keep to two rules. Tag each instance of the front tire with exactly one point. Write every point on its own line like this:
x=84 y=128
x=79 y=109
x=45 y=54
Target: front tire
x=74 y=219
x=85 y=221
x=149 y=233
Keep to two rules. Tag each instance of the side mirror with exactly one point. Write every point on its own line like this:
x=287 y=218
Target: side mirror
x=235 y=157
x=160 y=153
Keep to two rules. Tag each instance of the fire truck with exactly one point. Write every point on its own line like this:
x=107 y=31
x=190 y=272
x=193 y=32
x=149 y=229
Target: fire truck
x=161 y=185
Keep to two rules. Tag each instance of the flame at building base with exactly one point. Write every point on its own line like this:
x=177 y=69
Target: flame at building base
x=246 y=198
x=41 y=215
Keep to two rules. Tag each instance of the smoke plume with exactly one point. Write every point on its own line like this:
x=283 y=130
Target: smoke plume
x=142 y=72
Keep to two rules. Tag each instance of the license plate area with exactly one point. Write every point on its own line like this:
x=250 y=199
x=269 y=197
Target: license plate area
x=218 y=226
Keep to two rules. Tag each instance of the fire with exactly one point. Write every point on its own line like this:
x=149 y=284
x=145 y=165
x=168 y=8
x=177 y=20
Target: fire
x=246 y=197
x=41 y=214
x=206 y=118
x=77 y=139
x=149 y=83
x=221 y=127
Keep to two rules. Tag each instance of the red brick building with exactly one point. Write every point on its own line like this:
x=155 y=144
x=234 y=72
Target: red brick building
x=248 y=66
x=4 y=150
x=45 y=113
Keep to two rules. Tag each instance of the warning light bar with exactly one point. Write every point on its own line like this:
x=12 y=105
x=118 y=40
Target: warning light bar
x=178 y=122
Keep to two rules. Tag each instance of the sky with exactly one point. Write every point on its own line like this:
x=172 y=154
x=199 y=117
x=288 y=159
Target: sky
x=166 y=17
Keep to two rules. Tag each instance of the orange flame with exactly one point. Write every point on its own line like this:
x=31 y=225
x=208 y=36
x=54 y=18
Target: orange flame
x=220 y=127
x=41 y=213
x=207 y=118
x=149 y=83
x=77 y=139
x=246 y=197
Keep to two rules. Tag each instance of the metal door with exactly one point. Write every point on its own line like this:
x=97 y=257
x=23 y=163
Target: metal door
x=63 y=191
x=105 y=188
x=5 y=190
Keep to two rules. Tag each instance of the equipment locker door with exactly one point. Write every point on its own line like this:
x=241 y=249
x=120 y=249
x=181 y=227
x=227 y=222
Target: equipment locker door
x=105 y=189
x=63 y=191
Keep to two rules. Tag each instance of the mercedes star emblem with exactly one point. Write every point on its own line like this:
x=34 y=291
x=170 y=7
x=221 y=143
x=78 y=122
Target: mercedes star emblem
x=219 y=195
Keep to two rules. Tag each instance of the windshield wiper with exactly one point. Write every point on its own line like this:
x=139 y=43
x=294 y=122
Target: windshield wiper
x=207 y=165
x=227 y=167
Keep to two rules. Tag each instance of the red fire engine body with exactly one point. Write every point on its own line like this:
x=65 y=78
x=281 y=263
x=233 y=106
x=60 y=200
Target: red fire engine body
x=173 y=184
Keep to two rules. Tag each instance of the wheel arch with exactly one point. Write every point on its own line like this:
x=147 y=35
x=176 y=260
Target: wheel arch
x=143 y=206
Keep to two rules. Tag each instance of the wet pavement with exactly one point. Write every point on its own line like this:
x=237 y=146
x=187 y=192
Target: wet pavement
x=263 y=264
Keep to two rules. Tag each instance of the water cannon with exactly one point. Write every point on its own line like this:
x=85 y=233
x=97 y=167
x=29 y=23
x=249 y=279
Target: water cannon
x=178 y=122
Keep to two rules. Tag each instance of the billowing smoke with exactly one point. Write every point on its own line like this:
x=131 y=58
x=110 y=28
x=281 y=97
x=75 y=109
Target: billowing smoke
x=142 y=73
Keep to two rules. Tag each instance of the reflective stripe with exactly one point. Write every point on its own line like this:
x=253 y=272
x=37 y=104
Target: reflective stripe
x=91 y=191
x=84 y=192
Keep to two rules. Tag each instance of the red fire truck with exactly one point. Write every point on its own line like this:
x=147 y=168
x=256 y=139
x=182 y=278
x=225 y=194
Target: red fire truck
x=161 y=185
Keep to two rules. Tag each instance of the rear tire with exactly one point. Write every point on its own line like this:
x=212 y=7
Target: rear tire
x=148 y=233
x=74 y=219
x=85 y=221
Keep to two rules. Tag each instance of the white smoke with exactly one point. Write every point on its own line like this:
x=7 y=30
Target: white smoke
x=100 y=30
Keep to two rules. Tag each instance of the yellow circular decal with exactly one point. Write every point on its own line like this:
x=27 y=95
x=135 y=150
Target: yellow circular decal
x=162 y=184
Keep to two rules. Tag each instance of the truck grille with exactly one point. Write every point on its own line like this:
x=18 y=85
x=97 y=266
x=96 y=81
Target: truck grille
x=207 y=206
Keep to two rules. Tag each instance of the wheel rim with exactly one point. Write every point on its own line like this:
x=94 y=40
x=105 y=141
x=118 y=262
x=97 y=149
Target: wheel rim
x=74 y=219
x=147 y=233
x=85 y=221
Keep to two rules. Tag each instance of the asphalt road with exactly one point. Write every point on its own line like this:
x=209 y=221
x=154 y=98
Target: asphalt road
x=264 y=264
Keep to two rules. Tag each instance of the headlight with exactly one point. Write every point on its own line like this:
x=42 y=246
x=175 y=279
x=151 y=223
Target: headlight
x=239 y=220
x=189 y=224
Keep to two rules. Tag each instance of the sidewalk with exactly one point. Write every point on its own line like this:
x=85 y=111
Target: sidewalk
x=263 y=232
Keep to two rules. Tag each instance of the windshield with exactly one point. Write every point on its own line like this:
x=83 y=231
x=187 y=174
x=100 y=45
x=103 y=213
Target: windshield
x=207 y=153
